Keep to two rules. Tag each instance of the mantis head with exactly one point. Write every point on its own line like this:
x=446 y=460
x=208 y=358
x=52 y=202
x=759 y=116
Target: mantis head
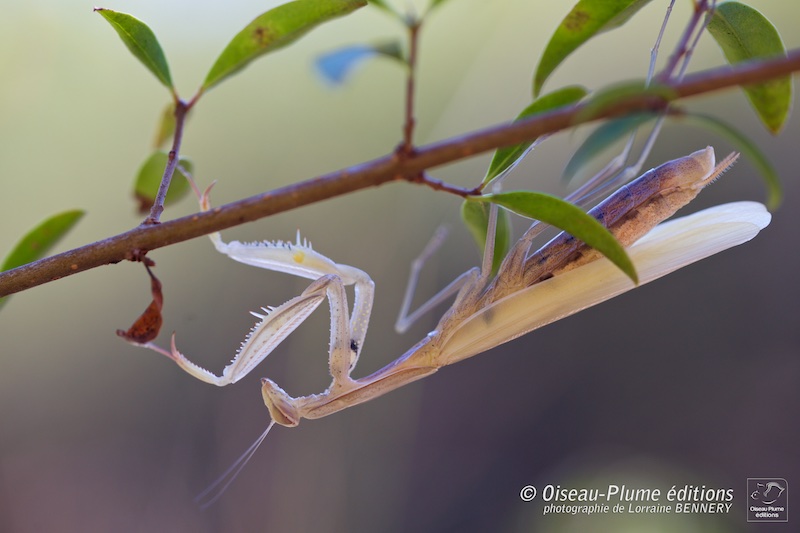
x=695 y=170
x=281 y=407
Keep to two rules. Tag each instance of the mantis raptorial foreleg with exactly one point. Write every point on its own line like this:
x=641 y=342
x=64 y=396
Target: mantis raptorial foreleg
x=348 y=331
x=529 y=291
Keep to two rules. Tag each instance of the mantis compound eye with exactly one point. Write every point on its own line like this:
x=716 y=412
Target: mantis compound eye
x=280 y=405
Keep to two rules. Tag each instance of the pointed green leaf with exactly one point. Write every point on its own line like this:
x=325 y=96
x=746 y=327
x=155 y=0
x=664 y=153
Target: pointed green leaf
x=166 y=126
x=744 y=34
x=141 y=41
x=434 y=4
x=335 y=66
x=610 y=96
x=476 y=217
x=148 y=180
x=505 y=158
x=392 y=50
x=275 y=29
x=587 y=19
x=165 y=130
x=38 y=241
x=601 y=139
x=749 y=149
x=381 y=5
x=568 y=217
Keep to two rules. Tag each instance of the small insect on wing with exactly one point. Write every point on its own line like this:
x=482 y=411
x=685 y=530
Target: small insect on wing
x=666 y=248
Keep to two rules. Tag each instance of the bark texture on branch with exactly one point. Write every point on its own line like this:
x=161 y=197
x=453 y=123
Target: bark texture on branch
x=133 y=243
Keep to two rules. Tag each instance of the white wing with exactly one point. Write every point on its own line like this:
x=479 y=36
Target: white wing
x=666 y=248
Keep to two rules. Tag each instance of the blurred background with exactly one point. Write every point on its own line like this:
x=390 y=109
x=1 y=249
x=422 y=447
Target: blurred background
x=689 y=380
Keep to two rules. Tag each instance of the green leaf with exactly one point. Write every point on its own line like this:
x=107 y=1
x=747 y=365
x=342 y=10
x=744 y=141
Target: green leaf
x=568 y=217
x=587 y=19
x=434 y=4
x=141 y=41
x=148 y=180
x=38 y=241
x=507 y=157
x=744 y=34
x=610 y=96
x=275 y=29
x=476 y=217
x=601 y=139
x=166 y=126
x=749 y=149
x=335 y=66
x=382 y=5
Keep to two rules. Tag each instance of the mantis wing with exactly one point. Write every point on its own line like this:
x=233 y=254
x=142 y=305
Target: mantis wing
x=668 y=247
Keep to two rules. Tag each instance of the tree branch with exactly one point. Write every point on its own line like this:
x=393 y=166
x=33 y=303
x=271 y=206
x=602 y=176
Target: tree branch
x=132 y=244
x=181 y=112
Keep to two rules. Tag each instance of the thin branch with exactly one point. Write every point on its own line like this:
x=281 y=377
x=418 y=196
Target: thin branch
x=439 y=185
x=390 y=168
x=181 y=110
x=408 y=128
x=680 y=49
x=689 y=52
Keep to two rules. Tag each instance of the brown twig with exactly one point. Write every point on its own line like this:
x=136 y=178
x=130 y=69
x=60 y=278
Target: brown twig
x=390 y=168
x=181 y=110
x=682 y=47
x=407 y=147
x=438 y=185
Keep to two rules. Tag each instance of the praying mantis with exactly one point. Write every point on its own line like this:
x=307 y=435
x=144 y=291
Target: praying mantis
x=529 y=290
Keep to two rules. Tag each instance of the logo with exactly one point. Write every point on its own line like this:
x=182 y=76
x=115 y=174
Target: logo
x=767 y=500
